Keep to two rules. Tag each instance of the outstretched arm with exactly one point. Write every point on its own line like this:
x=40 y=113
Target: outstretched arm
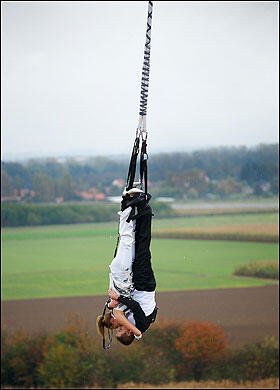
x=122 y=320
x=113 y=303
x=134 y=306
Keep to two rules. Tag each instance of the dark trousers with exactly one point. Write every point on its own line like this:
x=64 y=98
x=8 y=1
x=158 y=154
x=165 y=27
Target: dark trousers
x=143 y=275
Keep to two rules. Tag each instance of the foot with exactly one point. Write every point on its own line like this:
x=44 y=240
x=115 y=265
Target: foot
x=135 y=188
x=127 y=196
x=140 y=200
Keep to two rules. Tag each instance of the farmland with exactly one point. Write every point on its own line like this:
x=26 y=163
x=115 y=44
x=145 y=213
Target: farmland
x=265 y=232
x=72 y=260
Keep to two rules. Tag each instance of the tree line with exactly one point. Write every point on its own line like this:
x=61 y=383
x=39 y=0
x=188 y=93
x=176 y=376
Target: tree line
x=217 y=171
x=21 y=214
x=172 y=351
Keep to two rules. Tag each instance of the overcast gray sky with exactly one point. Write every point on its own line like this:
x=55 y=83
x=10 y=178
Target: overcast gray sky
x=71 y=75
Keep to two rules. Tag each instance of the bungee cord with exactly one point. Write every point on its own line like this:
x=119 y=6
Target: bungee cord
x=146 y=64
x=141 y=131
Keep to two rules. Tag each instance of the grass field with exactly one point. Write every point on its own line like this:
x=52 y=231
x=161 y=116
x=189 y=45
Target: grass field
x=72 y=260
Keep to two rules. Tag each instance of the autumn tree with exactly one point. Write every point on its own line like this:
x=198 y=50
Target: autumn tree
x=200 y=343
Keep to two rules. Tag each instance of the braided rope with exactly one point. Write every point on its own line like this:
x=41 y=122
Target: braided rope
x=146 y=64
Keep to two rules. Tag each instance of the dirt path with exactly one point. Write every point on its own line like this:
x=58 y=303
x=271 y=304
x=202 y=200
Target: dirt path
x=246 y=314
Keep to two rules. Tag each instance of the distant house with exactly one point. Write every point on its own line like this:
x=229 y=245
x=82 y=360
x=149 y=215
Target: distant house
x=26 y=193
x=10 y=198
x=91 y=194
x=92 y=190
x=118 y=183
x=99 y=196
x=86 y=195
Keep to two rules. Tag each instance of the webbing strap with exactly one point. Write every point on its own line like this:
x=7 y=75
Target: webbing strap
x=132 y=164
x=110 y=335
x=143 y=165
x=117 y=245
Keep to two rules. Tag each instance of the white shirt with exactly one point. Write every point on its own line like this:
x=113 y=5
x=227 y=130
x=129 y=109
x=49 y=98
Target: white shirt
x=146 y=300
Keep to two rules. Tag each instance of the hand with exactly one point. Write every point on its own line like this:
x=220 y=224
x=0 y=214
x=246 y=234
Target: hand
x=113 y=294
x=113 y=304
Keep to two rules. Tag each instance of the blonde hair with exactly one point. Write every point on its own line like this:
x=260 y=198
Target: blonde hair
x=102 y=322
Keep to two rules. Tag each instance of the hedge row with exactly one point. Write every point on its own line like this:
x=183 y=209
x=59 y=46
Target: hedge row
x=260 y=269
x=169 y=352
x=49 y=214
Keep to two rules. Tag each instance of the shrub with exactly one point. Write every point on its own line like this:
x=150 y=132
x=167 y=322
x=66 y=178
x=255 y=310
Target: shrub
x=162 y=357
x=69 y=357
x=200 y=343
x=61 y=367
x=48 y=214
x=33 y=219
x=170 y=351
x=262 y=269
x=162 y=209
x=20 y=357
x=192 y=193
x=160 y=341
x=260 y=360
x=249 y=362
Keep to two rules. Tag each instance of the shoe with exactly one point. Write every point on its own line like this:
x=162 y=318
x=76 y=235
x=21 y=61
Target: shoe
x=141 y=203
x=135 y=188
x=131 y=198
x=135 y=191
x=140 y=200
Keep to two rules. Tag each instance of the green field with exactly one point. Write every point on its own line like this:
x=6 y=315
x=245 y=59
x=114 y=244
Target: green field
x=72 y=260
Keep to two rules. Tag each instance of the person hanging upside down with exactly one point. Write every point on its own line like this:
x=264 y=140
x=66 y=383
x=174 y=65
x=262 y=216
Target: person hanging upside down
x=132 y=282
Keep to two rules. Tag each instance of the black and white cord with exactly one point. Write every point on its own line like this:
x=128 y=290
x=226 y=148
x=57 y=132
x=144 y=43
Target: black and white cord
x=146 y=64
